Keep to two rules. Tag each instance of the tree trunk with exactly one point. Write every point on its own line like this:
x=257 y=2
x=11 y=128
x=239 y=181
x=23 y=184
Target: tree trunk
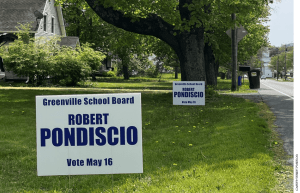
x=217 y=65
x=228 y=75
x=1 y=65
x=188 y=45
x=210 y=66
x=125 y=71
x=93 y=76
x=192 y=56
x=176 y=72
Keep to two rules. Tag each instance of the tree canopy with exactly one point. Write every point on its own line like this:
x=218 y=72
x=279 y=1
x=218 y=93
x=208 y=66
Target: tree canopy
x=282 y=56
x=185 y=25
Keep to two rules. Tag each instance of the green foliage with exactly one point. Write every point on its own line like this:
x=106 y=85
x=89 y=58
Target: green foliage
x=68 y=70
x=214 y=16
x=223 y=69
x=109 y=74
x=152 y=72
x=27 y=57
x=281 y=57
x=91 y=57
x=40 y=58
x=84 y=23
x=138 y=66
x=72 y=66
x=23 y=32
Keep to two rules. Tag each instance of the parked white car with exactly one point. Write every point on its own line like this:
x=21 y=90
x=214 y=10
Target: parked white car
x=263 y=77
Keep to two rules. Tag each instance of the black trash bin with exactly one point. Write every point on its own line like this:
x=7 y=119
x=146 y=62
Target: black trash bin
x=254 y=78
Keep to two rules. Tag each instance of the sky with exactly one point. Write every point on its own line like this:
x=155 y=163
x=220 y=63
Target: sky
x=282 y=22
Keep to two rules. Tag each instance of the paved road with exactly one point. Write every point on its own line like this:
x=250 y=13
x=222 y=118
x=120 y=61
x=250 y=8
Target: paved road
x=279 y=96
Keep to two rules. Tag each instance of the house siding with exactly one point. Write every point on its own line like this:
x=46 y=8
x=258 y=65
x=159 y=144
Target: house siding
x=266 y=62
x=51 y=12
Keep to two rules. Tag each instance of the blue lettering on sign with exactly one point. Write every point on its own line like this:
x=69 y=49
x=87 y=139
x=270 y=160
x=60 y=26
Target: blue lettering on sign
x=188 y=94
x=101 y=136
x=96 y=101
x=93 y=162
x=87 y=101
x=89 y=136
x=116 y=100
x=57 y=137
x=90 y=162
x=87 y=119
x=77 y=162
x=110 y=132
x=69 y=137
x=60 y=102
x=188 y=89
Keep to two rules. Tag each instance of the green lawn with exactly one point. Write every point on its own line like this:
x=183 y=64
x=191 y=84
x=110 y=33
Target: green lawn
x=223 y=146
x=163 y=82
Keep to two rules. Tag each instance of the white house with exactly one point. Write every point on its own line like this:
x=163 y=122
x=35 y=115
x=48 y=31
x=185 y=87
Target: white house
x=45 y=18
x=266 y=62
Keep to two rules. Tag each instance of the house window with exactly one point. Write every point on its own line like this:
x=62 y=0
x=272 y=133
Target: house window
x=45 y=22
x=52 y=25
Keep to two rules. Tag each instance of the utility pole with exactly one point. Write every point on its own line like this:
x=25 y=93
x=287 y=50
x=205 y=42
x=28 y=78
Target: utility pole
x=234 y=54
x=285 y=63
x=277 y=67
x=236 y=35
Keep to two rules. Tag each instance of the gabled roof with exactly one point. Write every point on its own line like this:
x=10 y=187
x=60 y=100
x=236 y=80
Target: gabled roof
x=13 y=12
x=69 y=41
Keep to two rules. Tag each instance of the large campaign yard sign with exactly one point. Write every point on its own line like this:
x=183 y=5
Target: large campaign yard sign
x=89 y=134
x=189 y=93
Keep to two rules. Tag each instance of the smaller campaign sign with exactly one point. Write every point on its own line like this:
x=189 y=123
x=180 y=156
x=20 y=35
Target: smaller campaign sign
x=189 y=93
x=89 y=134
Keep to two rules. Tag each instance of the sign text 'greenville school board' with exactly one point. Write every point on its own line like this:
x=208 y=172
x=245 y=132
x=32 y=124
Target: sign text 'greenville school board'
x=189 y=93
x=89 y=134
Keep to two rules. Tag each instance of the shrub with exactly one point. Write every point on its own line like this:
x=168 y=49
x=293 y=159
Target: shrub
x=68 y=69
x=42 y=58
x=111 y=74
x=29 y=59
x=152 y=72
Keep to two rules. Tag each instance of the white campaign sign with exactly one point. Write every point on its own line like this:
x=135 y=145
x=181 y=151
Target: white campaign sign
x=189 y=93
x=89 y=134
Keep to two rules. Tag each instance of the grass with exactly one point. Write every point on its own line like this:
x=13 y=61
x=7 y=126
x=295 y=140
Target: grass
x=283 y=172
x=289 y=79
x=225 y=146
x=164 y=82
x=224 y=86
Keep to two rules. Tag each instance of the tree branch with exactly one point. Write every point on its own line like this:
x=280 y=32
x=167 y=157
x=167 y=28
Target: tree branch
x=152 y=25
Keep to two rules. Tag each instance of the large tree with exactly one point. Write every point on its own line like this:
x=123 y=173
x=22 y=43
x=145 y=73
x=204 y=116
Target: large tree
x=281 y=57
x=181 y=24
x=185 y=25
x=89 y=27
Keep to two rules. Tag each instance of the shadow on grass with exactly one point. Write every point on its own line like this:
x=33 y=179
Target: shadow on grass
x=225 y=134
x=133 y=79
